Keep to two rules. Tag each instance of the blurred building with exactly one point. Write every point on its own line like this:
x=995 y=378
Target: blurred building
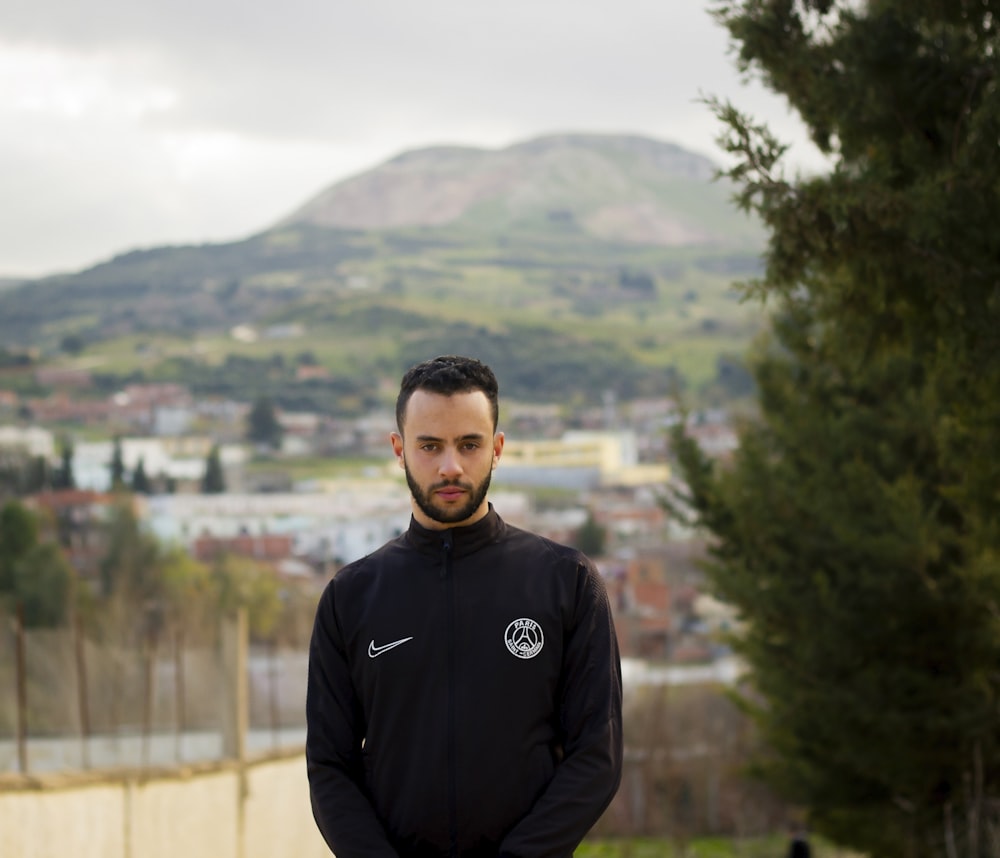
x=578 y=460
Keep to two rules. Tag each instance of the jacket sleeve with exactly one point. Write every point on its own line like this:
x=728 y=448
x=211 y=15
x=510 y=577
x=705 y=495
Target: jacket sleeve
x=334 y=736
x=588 y=776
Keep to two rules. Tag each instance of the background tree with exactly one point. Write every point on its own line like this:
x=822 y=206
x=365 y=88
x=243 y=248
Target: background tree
x=189 y=596
x=213 y=482
x=33 y=572
x=18 y=534
x=131 y=566
x=591 y=537
x=262 y=424
x=117 y=465
x=140 y=482
x=23 y=474
x=857 y=531
x=39 y=475
x=44 y=585
x=243 y=582
x=64 y=477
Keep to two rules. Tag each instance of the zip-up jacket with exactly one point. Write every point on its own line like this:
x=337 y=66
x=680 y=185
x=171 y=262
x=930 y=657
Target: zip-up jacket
x=464 y=698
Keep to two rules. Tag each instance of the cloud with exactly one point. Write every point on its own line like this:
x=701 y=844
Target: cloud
x=139 y=123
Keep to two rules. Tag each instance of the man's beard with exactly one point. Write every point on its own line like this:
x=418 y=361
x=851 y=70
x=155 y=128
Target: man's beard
x=424 y=500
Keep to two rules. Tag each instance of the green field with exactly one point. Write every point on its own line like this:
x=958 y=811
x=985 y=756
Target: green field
x=563 y=308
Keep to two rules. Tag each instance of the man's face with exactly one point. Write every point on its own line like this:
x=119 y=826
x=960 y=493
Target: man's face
x=448 y=450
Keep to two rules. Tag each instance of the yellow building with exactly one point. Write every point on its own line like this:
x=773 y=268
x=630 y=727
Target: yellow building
x=578 y=460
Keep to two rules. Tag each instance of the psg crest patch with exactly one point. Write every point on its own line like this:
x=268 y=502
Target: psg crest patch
x=524 y=638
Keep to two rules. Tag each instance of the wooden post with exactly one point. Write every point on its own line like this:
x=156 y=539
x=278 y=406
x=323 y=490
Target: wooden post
x=148 y=696
x=234 y=651
x=235 y=646
x=180 y=707
x=81 y=687
x=272 y=688
x=150 y=650
x=22 y=689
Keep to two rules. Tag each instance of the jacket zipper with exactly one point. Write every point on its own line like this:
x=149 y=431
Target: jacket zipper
x=452 y=786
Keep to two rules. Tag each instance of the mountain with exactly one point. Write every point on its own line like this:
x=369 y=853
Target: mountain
x=614 y=188
x=577 y=264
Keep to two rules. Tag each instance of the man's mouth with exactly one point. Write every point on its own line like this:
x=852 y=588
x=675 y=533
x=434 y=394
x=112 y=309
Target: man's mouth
x=450 y=492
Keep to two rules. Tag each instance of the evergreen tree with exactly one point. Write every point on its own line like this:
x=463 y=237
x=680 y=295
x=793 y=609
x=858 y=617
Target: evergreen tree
x=263 y=427
x=39 y=475
x=33 y=573
x=117 y=465
x=64 y=477
x=591 y=537
x=45 y=582
x=140 y=482
x=18 y=535
x=858 y=529
x=214 y=481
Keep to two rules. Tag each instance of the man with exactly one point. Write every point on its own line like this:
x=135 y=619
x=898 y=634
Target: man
x=464 y=693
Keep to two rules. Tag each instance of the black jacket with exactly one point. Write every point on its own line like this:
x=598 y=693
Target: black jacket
x=464 y=697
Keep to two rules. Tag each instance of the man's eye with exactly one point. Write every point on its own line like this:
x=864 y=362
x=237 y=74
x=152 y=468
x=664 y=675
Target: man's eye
x=430 y=448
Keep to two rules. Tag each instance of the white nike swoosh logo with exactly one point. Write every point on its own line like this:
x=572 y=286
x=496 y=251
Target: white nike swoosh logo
x=376 y=651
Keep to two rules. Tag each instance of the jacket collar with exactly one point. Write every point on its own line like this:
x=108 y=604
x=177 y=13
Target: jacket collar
x=463 y=540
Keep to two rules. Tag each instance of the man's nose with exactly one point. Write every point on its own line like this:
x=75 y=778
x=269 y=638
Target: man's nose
x=449 y=464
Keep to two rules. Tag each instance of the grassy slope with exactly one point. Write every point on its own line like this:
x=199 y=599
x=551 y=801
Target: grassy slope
x=512 y=274
x=692 y=319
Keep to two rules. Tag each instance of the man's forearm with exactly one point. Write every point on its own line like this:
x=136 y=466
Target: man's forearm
x=344 y=815
x=582 y=788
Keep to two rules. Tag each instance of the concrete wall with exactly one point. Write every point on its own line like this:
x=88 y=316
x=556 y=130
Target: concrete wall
x=215 y=811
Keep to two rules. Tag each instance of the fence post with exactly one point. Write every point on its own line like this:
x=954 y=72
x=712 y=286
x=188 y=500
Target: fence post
x=22 y=689
x=272 y=692
x=180 y=708
x=83 y=701
x=148 y=697
x=235 y=646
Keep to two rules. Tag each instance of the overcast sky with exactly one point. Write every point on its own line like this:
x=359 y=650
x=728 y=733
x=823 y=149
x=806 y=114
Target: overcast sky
x=128 y=123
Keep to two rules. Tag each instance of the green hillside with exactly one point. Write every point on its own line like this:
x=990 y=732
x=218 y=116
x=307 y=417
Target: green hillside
x=574 y=264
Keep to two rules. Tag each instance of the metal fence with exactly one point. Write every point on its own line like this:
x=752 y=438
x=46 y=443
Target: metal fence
x=118 y=696
x=73 y=699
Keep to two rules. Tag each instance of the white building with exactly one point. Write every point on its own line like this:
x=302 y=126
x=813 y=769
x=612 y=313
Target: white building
x=34 y=440
x=345 y=521
x=181 y=459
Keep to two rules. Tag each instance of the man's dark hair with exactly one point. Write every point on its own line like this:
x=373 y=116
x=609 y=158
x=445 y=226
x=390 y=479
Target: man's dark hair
x=448 y=374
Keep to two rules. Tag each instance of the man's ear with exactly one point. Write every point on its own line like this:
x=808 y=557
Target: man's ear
x=397 y=447
x=497 y=448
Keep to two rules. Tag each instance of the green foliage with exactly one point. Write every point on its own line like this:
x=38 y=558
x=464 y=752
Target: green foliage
x=130 y=567
x=72 y=344
x=64 y=477
x=262 y=424
x=33 y=573
x=189 y=596
x=214 y=480
x=591 y=537
x=241 y=582
x=140 y=482
x=615 y=231
x=858 y=529
x=117 y=465
x=22 y=474
x=44 y=586
x=18 y=535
